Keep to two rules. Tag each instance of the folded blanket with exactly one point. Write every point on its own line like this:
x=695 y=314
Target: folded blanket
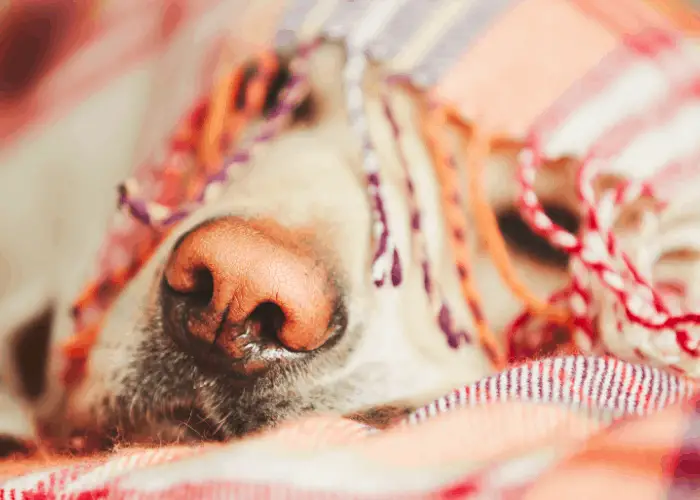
x=569 y=427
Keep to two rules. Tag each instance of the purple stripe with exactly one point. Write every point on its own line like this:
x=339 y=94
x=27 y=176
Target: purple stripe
x=400 y=29
x=458 y=38
x=294 y=16
x=396 y=271
x=176 y=217
x=139 y=210
x=686 y=466
x=686 y=469
x=346 y=16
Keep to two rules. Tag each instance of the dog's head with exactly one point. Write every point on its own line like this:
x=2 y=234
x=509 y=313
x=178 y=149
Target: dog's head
x=261 y=306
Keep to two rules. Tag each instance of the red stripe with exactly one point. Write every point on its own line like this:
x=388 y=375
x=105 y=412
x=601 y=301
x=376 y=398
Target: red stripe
x=243 y=489
x=649 y=46
x=623 y=134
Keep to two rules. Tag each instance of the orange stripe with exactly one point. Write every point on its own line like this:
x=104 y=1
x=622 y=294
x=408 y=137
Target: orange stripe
x=624 y=16
x=683 y=17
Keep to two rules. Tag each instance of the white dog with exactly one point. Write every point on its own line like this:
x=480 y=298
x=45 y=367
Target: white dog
x=259 y=306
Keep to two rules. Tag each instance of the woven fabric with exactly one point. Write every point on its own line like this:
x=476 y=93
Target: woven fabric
x=630 y=118
x=471 y=52
x=504 y=435
x=464 y=55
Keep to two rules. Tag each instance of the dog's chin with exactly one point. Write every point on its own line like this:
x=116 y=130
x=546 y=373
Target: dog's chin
x=181 y=424
x=165 y=397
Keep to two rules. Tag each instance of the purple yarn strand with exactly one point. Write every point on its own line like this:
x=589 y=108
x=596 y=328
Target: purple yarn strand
x=386 y=263
x=290 y=98
x=436 y=299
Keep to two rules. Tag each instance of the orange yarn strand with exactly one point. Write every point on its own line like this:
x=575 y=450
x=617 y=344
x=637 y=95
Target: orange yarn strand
x=256 y=92
x=209 y=153
x=456 y=221
x=477 y=153
x=220 y=117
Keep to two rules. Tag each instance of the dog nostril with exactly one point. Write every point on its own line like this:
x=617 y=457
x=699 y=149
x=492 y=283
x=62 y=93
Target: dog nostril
x=202 y=292
x=265 y=321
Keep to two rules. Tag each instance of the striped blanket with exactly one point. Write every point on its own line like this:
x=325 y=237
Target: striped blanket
x=567 y=427
x=573 y=427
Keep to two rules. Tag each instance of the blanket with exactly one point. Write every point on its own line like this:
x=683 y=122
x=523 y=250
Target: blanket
x=566 y=427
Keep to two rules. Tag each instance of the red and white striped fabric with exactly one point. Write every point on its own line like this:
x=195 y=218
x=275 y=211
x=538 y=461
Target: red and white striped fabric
x=635 y=117
x=499 y=438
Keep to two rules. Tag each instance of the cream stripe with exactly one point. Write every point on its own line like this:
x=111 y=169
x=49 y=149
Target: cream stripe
x=401 y=29
x=375 y=17
x=633 y=401
x=601 y=367
x=428 y=36
x=546 y=381
x=638 y=87
x=609 y=385
x=559 y=373
x=316 y=18
x=459 y=38
x=664 y=143
x=514 y=386
x=581 y=365
x=525 y=388
x=295 y=14
x=346 y=19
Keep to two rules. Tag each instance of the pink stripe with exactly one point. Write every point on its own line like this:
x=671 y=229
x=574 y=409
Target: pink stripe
x=670 y=178
x=625 y=16
x=650 y=46
x=613 y=142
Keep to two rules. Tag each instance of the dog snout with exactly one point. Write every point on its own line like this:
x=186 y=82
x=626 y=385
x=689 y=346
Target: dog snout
x=249 y=290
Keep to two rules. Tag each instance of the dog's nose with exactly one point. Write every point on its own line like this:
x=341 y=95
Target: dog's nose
x=250 y=285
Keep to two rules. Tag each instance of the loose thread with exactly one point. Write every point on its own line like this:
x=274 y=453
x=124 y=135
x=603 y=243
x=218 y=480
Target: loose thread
x=386 y=263
x=477 y=152
x=434 y=126
x=267 y=69
x=209 y=152
x=209 y=146
x=432 y=288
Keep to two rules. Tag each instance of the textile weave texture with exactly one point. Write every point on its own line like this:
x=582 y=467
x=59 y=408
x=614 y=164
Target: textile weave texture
x=565 y=427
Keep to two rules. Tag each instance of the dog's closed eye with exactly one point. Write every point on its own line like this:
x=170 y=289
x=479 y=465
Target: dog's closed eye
x=11 y=447
x=281 y=78
x=523 y=240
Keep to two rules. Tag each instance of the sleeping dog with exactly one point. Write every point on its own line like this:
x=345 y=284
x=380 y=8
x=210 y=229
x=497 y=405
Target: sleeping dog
x=260 y=306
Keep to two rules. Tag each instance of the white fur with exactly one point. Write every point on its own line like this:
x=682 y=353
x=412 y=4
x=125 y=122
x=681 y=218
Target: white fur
x=310 y=176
